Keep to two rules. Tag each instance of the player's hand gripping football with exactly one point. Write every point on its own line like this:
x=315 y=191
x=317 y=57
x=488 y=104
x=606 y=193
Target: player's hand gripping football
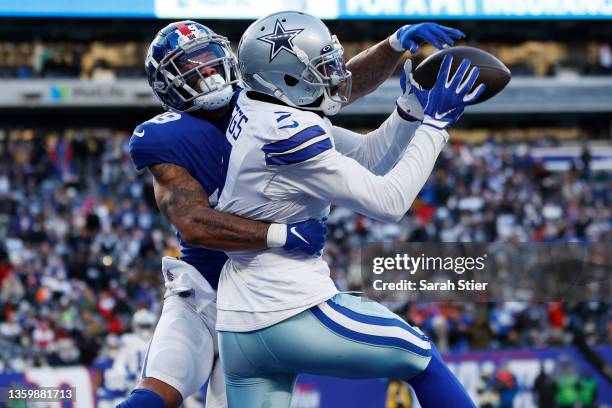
x=445 y=102
x=411 y=37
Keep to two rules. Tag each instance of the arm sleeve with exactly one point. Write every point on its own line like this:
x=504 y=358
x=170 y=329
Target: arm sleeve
x=379 y=150
x=343 y=181
x=151 y=148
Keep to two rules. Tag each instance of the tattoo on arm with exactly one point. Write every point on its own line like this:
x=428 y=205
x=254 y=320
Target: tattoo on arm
x=372 y=67
x=185 y=203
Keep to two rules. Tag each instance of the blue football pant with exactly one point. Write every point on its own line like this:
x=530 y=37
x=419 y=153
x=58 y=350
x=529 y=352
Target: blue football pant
x=344 y=337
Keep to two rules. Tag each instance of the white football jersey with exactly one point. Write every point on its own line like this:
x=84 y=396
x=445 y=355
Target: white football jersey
x=284 y=168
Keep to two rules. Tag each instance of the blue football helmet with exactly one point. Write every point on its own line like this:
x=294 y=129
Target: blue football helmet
x=191 y=67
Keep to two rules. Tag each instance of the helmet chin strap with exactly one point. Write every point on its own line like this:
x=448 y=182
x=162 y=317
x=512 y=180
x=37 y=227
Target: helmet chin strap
x=327 y=106
x=215 y=99
x=330 y=107
x=275 y=91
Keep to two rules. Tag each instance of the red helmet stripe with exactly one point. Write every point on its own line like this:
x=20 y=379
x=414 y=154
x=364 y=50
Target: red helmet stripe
x=183 y=29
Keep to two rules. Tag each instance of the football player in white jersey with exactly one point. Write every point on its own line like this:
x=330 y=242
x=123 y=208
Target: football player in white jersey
x=190 y=70
x=280 y=314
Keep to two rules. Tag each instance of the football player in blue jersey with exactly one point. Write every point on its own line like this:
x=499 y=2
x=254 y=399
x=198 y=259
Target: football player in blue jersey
x=194 y=75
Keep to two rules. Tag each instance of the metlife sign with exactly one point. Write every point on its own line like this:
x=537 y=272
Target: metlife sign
x=475 y=9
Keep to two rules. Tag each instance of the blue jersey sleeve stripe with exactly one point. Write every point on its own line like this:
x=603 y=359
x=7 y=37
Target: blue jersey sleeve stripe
x=299 y=155
x=282 y=117
x=294 y=141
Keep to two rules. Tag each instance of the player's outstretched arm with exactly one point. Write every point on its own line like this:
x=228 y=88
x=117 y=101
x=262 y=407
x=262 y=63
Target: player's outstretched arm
x=381 y=149
x=343 y=181
x=183 y=200
x=373 y=66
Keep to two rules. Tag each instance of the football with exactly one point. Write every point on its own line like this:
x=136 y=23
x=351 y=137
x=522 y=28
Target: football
x=493 y=73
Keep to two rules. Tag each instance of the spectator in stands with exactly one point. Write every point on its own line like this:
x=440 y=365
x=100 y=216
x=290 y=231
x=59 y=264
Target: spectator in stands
x=567 y=384
x=110 y=60
x=43 y=336
x=501 y=322
x=488 y=394
x=588 y=390
x=84 y=240
x=506 y=385
x=544 y=387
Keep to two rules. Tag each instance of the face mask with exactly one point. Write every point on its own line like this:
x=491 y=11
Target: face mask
x=214 y=99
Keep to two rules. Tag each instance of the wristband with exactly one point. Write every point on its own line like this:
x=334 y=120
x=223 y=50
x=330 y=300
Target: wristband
x=409 y=108
x=277 y=235
x=395 y=43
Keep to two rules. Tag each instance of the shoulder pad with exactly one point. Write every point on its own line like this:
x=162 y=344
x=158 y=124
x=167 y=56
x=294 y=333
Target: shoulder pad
x=158 y=140
x=153 y=123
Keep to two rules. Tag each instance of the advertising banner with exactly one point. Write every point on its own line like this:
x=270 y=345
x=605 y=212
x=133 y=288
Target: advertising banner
x=471 y=368
x=326 y=9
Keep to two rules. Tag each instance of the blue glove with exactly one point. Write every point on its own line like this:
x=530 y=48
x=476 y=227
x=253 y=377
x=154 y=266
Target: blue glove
x=307 y=237
x=411 y=37
x=447 y=99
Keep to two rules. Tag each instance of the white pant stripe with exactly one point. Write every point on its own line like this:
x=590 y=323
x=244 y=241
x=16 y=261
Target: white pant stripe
x=372 y=329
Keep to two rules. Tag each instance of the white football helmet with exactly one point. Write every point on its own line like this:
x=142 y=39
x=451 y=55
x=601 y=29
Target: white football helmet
x=143 y=322
x=293 y=57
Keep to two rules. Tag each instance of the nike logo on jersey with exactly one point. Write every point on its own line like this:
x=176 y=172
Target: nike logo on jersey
x=139 y=134
x=439 y=116
x=294 y=124
x=297 y=234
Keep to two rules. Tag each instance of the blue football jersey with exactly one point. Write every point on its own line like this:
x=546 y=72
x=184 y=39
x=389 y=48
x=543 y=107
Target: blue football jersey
x=202 y=149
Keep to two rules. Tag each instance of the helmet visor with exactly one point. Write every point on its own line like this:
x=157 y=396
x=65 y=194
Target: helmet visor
x=332 y=70
x=190 y=70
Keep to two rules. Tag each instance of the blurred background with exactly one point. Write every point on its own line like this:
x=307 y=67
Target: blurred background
x=81 y=237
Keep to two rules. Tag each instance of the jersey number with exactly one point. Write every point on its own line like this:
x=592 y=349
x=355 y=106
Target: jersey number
x=235 y=125
x=165 y=118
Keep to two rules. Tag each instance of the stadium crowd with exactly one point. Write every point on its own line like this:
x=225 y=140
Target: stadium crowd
x=82 y=243
x=102 y=60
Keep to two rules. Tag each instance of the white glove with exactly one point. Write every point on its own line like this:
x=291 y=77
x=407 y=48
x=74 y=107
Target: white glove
x=408 y=104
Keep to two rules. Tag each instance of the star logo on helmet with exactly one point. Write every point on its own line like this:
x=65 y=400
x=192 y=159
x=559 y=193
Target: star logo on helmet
x=280 y=39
